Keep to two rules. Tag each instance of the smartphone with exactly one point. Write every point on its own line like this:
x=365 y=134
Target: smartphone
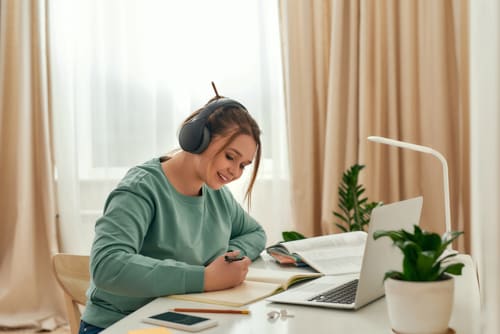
x=182 y=321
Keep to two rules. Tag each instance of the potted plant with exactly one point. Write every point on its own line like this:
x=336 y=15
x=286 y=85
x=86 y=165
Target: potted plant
x=355 y=210
x=420 y=296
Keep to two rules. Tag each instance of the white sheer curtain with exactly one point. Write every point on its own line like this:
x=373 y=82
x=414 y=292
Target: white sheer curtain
x=485 y=154
x=126 y=73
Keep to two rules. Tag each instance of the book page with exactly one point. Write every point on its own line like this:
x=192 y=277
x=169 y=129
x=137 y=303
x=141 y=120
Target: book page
x=280 y=277
x=245 y=293
x=339 y=261
x=332 y=254
x=259 y=284
x=326 y=241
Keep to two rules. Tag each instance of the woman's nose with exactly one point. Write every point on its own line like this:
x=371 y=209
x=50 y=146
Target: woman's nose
x=233 y=170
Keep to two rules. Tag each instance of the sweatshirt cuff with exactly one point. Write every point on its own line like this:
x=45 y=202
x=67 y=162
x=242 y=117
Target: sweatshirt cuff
x=195 y=279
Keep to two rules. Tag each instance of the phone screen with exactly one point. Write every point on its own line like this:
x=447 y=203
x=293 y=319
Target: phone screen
x=182 y=321
x=179 y=318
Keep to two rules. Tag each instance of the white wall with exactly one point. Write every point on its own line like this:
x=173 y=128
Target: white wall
x=485 y=154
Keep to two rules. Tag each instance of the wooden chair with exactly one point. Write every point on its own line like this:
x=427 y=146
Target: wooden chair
x=72 y=274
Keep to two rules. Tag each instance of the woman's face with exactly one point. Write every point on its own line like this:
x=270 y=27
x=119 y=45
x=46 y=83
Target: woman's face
x=227 y=165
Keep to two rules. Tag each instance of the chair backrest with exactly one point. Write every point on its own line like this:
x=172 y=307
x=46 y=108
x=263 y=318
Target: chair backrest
x=72 y=274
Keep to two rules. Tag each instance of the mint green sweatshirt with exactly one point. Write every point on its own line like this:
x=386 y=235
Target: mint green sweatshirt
x=153 y=241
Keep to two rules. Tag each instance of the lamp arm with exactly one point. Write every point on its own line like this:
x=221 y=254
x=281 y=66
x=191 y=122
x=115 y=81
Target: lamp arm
x=428 y=150
x=446 y=188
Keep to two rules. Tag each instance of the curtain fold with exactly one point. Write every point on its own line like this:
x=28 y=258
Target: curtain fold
x=29 y=294
x=393 y=69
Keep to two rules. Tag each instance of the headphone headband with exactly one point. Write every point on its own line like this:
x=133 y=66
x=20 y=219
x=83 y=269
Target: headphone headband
x=214 y=105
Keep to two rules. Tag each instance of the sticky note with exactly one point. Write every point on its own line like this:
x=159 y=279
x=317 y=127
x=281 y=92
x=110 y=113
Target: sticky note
x=152 y=330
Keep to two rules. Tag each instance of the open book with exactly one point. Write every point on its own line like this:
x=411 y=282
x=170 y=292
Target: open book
x=259 y=284
x=332 y=254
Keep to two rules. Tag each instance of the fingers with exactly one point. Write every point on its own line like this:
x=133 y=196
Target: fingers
x=240 y=269
x=233 y=252
x=223 y=274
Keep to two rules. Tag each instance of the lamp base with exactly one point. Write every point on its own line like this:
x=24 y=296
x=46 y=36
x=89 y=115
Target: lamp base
x=450 y=331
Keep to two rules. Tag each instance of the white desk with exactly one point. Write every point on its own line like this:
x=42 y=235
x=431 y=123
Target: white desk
x=371 y=319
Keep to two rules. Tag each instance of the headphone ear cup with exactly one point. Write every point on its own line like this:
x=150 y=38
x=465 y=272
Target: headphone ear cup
x=194 y=137
x=190 y=136
x=205 y=140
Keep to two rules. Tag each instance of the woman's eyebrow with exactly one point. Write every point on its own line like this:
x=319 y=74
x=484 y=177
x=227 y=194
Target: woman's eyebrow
x=248 y=162
x=235 y=151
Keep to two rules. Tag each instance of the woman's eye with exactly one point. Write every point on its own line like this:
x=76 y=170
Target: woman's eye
x=229 y=157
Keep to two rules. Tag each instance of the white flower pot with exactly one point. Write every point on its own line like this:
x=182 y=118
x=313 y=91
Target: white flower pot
x=419 y=307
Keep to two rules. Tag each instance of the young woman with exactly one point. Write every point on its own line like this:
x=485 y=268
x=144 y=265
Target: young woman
x=170 y=222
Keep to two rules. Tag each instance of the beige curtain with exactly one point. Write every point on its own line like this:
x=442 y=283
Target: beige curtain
x=29 y=295
x=396 y=69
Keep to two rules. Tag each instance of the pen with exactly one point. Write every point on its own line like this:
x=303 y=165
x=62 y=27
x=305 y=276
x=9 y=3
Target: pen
x=209 y=310
x=233 y=258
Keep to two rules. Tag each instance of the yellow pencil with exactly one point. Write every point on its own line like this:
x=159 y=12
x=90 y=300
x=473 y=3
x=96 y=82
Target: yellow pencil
x=210 y=310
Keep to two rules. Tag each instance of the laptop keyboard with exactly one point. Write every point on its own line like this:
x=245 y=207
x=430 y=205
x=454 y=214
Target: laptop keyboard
x=344 y=294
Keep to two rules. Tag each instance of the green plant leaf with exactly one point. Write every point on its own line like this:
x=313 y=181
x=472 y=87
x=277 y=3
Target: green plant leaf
x=409 y=270
x=447 y=257
x=341 y=217
x=292 y=235
x=393 y=274
x=430 y=241
x=417 y=231
x=341 y=227
x=412 y=237
x=433 y=275
x=454 y=269
x=448 y=237
x=410 y=250
x=425 y=265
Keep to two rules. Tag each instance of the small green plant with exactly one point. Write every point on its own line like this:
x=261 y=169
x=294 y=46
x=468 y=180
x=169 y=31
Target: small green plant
x=423 y=258
x=355 y=210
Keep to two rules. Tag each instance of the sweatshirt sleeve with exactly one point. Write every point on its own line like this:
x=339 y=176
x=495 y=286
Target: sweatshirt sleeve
x=115 y=263
x=247 y=235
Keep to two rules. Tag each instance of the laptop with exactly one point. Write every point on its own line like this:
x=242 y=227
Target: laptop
x=356 y=290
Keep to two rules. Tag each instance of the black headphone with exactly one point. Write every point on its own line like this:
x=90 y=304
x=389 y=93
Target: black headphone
x=194 y=136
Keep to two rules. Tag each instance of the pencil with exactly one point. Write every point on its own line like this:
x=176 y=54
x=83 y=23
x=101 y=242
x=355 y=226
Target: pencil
x=210 y=310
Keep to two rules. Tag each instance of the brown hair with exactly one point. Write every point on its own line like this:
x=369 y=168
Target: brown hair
x=233 y=121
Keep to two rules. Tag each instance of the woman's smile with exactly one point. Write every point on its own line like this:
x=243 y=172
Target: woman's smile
x=223 y=178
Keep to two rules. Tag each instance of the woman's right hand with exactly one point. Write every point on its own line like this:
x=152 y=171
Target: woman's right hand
x=221 y=274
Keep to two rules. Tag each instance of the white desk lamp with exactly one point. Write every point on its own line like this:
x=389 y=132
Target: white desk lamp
x=425 y=149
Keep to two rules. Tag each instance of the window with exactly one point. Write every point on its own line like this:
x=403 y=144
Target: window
x=126 y=73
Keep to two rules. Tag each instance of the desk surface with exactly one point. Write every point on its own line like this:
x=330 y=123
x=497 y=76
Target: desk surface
x=371 y=319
